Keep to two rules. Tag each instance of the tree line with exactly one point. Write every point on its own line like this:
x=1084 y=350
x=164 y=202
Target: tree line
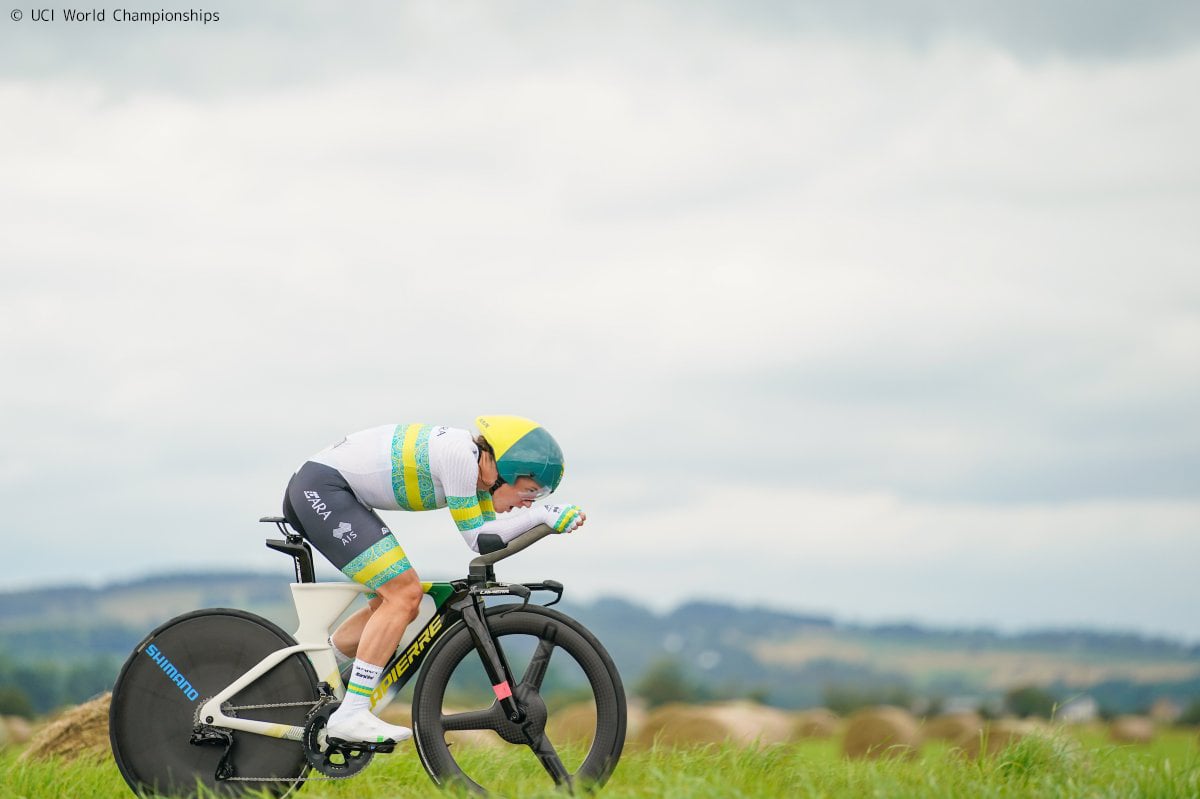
x=33 y=689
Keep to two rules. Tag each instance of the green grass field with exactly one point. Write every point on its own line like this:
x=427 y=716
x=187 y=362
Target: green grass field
x=1068 y=766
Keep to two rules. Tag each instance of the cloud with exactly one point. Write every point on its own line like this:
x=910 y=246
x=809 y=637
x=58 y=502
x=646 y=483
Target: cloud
x=879 y=557
x=947 y=287
x=1092 y=30
x=277 y=43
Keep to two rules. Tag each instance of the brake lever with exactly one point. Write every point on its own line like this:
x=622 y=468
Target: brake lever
x=553 y=586
x=520 y=590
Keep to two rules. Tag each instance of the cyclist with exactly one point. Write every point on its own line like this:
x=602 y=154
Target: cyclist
x=489 y=482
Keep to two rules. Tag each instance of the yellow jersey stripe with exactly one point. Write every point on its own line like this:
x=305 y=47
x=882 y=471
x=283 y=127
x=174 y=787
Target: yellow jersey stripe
x=465 y=514
x=412 y=486
x=486 y=506
x=392 y=556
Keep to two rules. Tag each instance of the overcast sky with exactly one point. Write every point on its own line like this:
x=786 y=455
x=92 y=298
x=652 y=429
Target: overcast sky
x=890 y=311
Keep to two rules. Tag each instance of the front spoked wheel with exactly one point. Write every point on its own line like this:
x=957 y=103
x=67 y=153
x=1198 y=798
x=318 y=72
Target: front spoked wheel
x=566 y=684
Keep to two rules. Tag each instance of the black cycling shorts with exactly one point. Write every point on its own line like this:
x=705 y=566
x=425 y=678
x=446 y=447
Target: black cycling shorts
x=321 y=505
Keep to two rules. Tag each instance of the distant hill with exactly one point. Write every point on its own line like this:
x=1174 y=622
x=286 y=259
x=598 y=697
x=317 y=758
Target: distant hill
x=788 y=659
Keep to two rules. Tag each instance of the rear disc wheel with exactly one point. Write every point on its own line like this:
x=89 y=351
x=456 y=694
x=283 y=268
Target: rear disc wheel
x=179 y=667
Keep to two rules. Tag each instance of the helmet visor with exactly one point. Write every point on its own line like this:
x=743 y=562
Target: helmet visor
x=532 y=494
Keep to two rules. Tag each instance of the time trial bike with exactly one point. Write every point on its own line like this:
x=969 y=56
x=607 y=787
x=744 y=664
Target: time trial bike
x=225 y=700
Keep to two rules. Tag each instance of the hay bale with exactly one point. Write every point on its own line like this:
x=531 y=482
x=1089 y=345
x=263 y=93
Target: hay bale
x=682 y=725
x=741 y=723
x=81 y=732
x=475 y=739
x=1097 y=729
x=397 y=713
x=400 y=713
x=574 y=725
x=1131 y=730
x=953 y=726
x=818 y=722
x=1165 y=711
x=882 y=731
x=17 y=729
x=635 y=717
x=752 y=724
x=997 y=736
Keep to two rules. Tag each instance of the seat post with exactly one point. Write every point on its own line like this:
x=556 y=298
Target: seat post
x=295 y=546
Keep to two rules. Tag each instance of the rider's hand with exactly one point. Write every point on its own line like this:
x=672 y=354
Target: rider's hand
x=563 y=518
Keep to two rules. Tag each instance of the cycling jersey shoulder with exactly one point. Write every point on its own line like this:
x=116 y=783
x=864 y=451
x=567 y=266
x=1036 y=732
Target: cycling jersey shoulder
x=364 y=460
x=406 y=466
x=357 y=452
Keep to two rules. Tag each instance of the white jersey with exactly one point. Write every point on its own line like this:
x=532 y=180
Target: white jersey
x=423 y=467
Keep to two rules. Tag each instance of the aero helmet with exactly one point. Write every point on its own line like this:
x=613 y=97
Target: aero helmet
x=523 y=448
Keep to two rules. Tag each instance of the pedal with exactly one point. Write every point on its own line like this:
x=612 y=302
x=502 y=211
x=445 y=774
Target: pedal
x=334 y=757
x=385 y=748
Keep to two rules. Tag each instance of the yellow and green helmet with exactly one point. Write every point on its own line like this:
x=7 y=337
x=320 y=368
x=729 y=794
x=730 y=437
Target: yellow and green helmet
x=523 y=448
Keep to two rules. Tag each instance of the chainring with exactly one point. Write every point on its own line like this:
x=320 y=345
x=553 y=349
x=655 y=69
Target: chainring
x=331 y=760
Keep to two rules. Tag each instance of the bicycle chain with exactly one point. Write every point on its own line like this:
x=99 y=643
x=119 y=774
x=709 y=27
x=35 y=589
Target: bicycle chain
x=285 y=779
x=280 y=779
x=276 y=704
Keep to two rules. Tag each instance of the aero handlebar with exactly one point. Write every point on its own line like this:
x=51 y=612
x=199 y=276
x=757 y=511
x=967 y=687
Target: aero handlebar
x=514 y=546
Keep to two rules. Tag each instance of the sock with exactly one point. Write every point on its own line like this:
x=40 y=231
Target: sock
x=341 y=657
x=363 y=679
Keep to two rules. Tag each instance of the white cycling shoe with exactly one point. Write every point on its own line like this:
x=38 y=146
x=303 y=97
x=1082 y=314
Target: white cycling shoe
x=362 y=726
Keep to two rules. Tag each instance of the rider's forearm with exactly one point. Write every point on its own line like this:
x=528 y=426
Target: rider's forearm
x=507 y=526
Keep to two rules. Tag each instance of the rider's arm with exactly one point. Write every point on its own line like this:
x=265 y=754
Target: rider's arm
x=472 y=509
x=505 y=525
x=560 y=518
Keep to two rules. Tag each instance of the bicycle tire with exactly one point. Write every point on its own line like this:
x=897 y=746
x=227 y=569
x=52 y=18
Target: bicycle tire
x=152 y=715
x=431 y=723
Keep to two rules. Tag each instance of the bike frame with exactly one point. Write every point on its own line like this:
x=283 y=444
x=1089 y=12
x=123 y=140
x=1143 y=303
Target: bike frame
x=319 y=605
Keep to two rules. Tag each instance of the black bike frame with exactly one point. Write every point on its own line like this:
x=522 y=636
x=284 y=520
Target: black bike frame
x=407 y=662
x=465 y=603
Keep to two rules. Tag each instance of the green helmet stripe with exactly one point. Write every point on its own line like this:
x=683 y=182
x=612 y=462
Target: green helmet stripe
x=535 y=454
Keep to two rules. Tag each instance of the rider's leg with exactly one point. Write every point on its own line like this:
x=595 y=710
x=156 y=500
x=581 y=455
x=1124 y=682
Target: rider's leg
x=322 y=505
x=353 y=721
x=348 y=633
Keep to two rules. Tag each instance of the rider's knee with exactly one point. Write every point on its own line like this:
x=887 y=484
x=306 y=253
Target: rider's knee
x=401 y=594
